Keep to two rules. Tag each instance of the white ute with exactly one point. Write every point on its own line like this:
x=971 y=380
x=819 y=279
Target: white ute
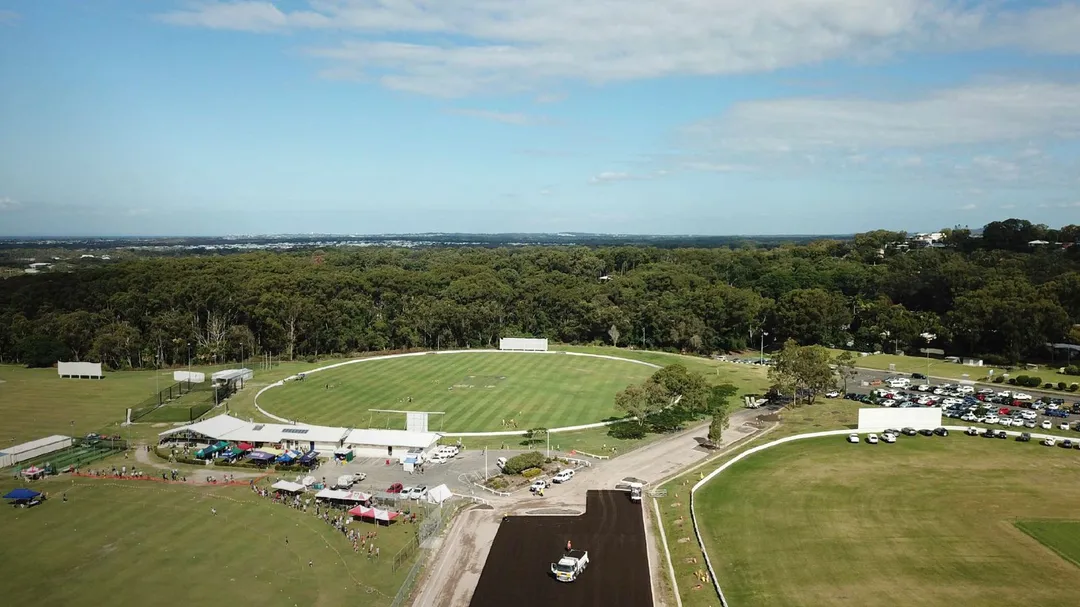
x=563 y=476
x=570 y=566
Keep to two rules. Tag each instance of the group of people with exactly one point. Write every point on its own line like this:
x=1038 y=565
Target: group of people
x=123 y=472
x=335 y=518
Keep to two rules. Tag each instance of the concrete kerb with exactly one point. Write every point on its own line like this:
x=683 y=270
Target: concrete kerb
x=780 y=441
x=354 y=361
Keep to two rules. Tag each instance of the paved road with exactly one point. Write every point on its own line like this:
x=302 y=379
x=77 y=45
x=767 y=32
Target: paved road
x=455 y=566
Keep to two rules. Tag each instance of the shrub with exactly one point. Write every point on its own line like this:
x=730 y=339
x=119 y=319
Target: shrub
x=995 y=359
x=1022 y=380
x=497 y=483
x=516 y=464
x=1072 y=370
x=1073 y=387
x=1012 y=381
x=999 y=379
x=1034 y=382
x=1061 y=385
x=626 y=430
x=531 y=472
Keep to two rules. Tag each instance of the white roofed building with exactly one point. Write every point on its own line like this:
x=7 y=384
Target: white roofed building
x=389 y=443
x=324 y=439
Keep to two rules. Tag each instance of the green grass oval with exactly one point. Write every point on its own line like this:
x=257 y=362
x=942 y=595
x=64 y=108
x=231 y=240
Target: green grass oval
x=477 y=391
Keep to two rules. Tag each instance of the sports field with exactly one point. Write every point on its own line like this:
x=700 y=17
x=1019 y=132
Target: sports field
x=927 y=521
x=146 y=543
x=477 y=391
x=1063 y=537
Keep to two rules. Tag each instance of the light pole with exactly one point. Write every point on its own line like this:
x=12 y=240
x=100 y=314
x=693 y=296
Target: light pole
x=761 y=360
x=929 y=337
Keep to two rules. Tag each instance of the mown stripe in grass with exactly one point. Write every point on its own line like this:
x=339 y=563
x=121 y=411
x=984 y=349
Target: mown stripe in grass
x=1063 y=537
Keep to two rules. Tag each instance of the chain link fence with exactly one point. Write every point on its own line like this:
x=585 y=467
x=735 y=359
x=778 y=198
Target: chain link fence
x=433 y=523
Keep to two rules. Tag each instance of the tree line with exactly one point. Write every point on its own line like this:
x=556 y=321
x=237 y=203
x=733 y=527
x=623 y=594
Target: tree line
x=993 y=299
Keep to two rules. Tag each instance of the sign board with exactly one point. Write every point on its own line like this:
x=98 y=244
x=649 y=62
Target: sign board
x=523 y=344
x=937 y=351
x=189 y=376
x=878 y=419
x=416 y=422
x=92 y=370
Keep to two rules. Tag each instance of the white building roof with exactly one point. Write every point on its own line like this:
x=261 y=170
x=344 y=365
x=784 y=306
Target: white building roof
x=215 y=427
x=287 y=486
x=228 y=374
x=35 y=444
x=272 y=433
x=391 y=438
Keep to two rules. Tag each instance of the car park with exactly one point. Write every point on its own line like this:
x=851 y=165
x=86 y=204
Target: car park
x=853 y=438
x=872 y=439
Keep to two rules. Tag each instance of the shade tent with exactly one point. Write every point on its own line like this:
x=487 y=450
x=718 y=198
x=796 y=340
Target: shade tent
x=272 y=451
x=287 y=486
x=374 y=514
x=309 y=457
x=345 y=496
x=244 y=446
x=21 y=494
x=438 y=495
x=33 y=472
x=260 y=456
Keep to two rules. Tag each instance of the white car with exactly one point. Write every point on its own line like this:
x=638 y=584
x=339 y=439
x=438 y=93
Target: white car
x=966 y=390
x=971 y=431
x=1030 y=423
x=1005 y=421
x=562 y=476
x=1063 y=426
x=1052 y=407
x=1049 y=441
x=1047 y=424
x=1005 y=394
x=991 y=419
x=888 y=437
x=1021 y=396
x=538 y=485
x=889 y=403
x=438 y=458
x=406 y=492
x=923 y=387
x=832 y=394
x=418 y=493
x=853 y=438
x=1026 y=414
x=968 y=417
x=872 y=439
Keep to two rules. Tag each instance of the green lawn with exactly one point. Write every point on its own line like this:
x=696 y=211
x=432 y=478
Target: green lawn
x=144 y=543
x=35 y=403
x=750 y=379
x=477 y=391
x=1063 y=537
x=823 y=522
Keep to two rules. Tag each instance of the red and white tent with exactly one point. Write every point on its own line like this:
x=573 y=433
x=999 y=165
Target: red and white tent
x=374 y=514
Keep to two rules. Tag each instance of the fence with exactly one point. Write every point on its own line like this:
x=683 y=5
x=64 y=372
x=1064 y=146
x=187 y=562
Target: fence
x=432 y=525
x=205 y=396
x=79 y=454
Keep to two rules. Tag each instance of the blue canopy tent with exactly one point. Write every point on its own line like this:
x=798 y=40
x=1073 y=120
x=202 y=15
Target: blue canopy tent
x=21 y=494
x=286 y=457
x=260 y=456
x=309 y=459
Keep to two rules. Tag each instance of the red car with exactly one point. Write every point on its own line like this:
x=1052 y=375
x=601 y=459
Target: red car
x=1004 y=411
x=395 y=488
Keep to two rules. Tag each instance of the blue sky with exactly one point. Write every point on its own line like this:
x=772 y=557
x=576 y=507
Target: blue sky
x=140 y=117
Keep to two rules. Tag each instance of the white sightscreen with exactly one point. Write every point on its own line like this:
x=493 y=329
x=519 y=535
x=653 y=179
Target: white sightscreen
x=416 y=422
x=876 y=420
x=79 y=369
x=523 y=343
x=192 y=376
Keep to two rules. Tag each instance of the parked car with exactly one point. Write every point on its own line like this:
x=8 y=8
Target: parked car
x=888 y=437
x=909 y=431
x=538 y=485
x=926 y=432
x=1024 y=437
x=853 y=438
x=405 y=492
x=918 y=376
x=562 y=476
x=1063 y=426
x=1049 y=441
x=395 y=488
x=941 y=431
x=418 y=493
x=1057 y=413
x=1001 y=434
x=1047 y=424
x=872 y=439
x=989 y=433
x=971 y=431
x=1067 y=444
x=832 y=394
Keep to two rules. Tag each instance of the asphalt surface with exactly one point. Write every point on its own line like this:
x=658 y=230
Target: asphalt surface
x=612 y=531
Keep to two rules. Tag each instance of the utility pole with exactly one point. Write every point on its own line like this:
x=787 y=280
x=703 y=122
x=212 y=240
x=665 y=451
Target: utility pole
x=763 y=334
x=548 y=434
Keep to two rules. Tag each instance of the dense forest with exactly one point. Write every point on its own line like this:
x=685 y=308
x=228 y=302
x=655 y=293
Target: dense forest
x=991 y=294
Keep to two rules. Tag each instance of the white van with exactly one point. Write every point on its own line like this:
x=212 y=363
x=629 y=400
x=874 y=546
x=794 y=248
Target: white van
x=500 y=463
x=563 y=476
x=447 y=451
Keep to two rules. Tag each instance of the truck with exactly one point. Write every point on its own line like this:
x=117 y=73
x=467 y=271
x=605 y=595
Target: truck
x=635 y=492
x=570 y=566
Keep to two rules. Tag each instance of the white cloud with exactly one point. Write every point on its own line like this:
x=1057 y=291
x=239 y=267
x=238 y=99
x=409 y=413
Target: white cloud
x=609 y=177
x=1070 y=205
x=1008 y=206
x=503 y=117
x=715 y=167
x=969 y=207
x=9 y=204
x=527 y=45
x=971 y=114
